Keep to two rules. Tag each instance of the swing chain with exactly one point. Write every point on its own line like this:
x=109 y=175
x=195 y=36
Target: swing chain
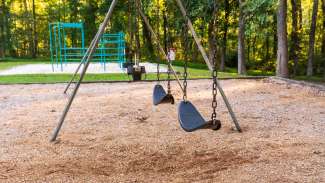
x=214 y=93
x=185 y=74
x=158 y=72
x=168 y=78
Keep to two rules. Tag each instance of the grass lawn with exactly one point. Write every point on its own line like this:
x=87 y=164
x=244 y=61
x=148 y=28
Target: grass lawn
x=58 y=78
x=315 y=79
x=196 y=71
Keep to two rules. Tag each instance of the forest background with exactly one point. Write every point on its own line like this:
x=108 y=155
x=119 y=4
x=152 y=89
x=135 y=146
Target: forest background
x=286 y=37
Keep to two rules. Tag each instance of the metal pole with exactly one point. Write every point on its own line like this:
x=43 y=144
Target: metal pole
x=161 y=49
x=56 y=45
x=82 y=38
x=51 y=46
x=60 y=45
x=207 y=61
x=64 y=45
x=231 y=112
x=91 y=52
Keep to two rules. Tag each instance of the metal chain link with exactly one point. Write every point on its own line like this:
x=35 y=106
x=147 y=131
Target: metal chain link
x=168 y=78
x=185 y=74
x=214 y=92
x=158 y=72
x=169 y=65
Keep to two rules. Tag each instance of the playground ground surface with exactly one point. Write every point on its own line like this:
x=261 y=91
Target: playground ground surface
x=114 y=134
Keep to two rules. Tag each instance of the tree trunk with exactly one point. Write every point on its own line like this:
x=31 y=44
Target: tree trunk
x=130 y=48
x=147 y=41
x=282 y=53
x=7 y=28
x=294 y=50
x=2 y=29
x=185 y=42
x=28 y=47
x=90 y=19
x=248 y=48
x=241 y=40
x=323 y=37
x=136 y=31
x=165 y=31
x=212 y=42
x=224 y=38
x=267 y=49
x=147 y=35
x=64 y=12
x=73 y=6
x=312 y=39
x=212 y=38
x=254 y=48
x=275 y=36
x=35 y=42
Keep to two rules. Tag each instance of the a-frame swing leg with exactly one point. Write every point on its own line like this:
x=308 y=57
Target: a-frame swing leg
x=231 y=112
x=82 y=62
x=87 y=62
x=208 y=62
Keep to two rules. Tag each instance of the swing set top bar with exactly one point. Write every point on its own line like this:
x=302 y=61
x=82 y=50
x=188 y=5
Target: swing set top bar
x=94 y=43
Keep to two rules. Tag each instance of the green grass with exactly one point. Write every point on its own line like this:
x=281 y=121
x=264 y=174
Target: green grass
x=58 y=78
x=196 y=71
x=316 y=79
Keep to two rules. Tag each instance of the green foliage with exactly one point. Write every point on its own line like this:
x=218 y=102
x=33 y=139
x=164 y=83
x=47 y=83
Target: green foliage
x=16 y=36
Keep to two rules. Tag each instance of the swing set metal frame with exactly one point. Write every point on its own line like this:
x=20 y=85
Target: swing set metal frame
x=90 y=52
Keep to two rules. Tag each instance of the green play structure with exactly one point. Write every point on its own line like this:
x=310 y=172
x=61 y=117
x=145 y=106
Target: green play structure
x=65 y=48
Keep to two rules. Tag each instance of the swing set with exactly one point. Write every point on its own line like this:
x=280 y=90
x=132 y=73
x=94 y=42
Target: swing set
x=189 y=117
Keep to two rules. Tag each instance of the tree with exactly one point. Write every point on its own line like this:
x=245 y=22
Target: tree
x=28 y=45
x=90 y=19
x=136 y=30
x=275 y=35
x=2 y=29
x=323 y=37
x=212 y=31
x=295 y=38
x=225 y=36
x=282 y=53
x=73 y=8
x=241 y=39
x=35 y=42
x=312 y=39
x=147 y=40
x=166 y=31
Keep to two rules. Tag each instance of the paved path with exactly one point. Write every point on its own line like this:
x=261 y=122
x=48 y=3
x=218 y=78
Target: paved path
x=95 y=68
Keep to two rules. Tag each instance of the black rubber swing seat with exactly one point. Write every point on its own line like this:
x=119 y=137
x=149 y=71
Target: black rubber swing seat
x=191 y=120
x=160 y=96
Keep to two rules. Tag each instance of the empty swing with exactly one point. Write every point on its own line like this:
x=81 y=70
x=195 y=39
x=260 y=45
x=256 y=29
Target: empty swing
x=160 y=96
x=189 y=117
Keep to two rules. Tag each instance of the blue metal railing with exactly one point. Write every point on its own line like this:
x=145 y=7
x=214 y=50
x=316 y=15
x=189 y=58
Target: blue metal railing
x=111 y=47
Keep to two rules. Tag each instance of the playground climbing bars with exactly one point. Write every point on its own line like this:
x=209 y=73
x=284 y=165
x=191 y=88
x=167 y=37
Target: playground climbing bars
x=111 y=47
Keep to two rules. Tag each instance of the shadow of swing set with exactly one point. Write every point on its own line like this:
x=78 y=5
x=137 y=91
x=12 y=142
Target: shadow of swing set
x=189 y=117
